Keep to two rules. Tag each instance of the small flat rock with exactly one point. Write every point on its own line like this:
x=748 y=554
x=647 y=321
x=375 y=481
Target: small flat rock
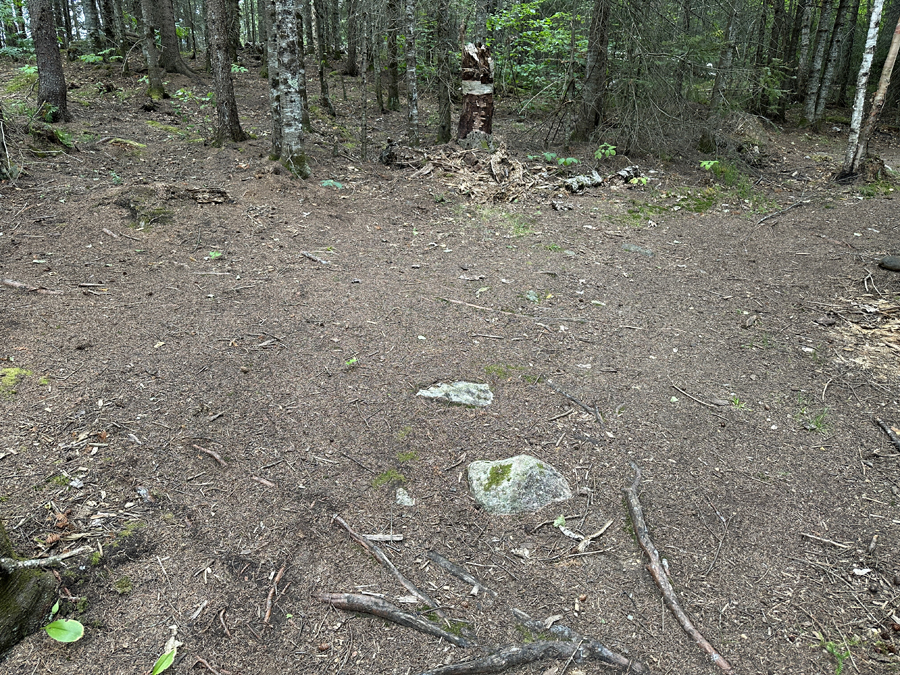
x=825 y=321
x=460 y=393
x=890 y=262
x=520 y=484
x=634 y=248
x=404 y=498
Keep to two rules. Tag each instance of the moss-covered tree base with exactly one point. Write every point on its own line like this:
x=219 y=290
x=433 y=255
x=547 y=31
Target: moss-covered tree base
x=26 y=597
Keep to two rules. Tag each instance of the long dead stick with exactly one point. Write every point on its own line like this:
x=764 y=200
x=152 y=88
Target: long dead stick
x=659 y=575
x=354 y=602
x=379 y=555
x=890 y=433
x=29 y=289
x=11 y=564
x=459 y=573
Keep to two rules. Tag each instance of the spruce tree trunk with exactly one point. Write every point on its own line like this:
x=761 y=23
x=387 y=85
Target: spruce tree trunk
x=321 y=18
x=726 y=57
x=843 y=82
x=170 y=56
x=815 y=70
x=806 y=21
x=155 y=88
x=834 y=54
x=51 y=80
x=364 y=117
x=393 y=102
x=229 y=125
x=412 y=89
x=92 y=23
x=591 y=110
x=309 y=38
x=445 y=81
x=351 y=68
x=274 y=81
x=852 y=158
x=26 y=595
x=290 y=68
x=108 y=22
x=884 y=82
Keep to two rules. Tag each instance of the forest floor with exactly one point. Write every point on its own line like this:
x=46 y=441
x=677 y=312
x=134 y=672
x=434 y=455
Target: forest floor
x=193 y=298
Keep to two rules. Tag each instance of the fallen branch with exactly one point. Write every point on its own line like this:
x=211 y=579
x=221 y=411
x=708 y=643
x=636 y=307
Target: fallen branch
x=694 y=398
x=890 y=433
x=307 y=254
x=10 y=565
x=29 y=289
x=459 y=573
x=659 y=575
x=379 y=555
x=370 y=604
x=593 y=411
x=212 y=453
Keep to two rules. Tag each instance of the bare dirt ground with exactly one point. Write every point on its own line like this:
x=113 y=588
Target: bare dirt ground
x=740 y=366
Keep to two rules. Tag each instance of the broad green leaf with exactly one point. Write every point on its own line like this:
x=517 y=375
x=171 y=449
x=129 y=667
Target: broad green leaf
x=560 y=521
x=163 y=662
x=65 y=630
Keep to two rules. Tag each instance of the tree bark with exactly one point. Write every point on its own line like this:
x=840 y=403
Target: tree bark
x=229 y=125
x=170 y=56
x=321 y=18
x=445 y=80
x=92 y=23
x=877 y=101
x=290 y=67
x=826 y=22
x=155 y=89
x=809 y=8
x=51 y=80
x=852 y=158
x=393 y=102
x=108 y=20
x=274 y=82
x=834 y=55
x=351 y=68
x=309 y=38
x=476 y=118
x=412 y=89
x=26 y=595
x=726 y=57
x=592 y=94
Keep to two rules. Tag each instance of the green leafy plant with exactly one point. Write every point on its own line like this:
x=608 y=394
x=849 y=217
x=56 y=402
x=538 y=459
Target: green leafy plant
x=567 y=161
x=351 y=362
x=389 y=476
x=215 y=254
x=163 y=662
x=28 y=70
x=560 y=521
x=709 y=164
x=840 y=653
x=238 y=68
x=605 y=151
x=639 y=180
x=90 y=58
x=116 y=178
x=332 y=183
x=65 y=630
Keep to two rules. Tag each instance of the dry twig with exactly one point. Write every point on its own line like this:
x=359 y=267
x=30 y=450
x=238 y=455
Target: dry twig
x=212 y=453
x=659 y=575
x=459 y=573
x=30 y=289
x=895 y=439
x=10 y=565
x=354 y=602
x=307 y=254
x=379 y=555
x=592 y=410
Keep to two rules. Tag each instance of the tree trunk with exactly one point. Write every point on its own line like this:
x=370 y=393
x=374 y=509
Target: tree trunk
x=351 y=68
x=155 y=88
x=826 y=22
x=274 y=82
x=92 y=23
x=393 y=102
x=325 y=99
x=412 y=89
x=51 y=80
x=364 y=116
x=445 y=78
x=229 y=125
x=233 y=28
x=334 y=28
x=852 y=158
x=877 y=102
x=591 y=109
x=263 y=32
x=476 y=119
x=834 y=54
x=292 y=155
x=170 y=56
x=309 y=38
x=845 y=70
x=26 y=595
x=109 y=26
x=726 y=57
x=809 y=9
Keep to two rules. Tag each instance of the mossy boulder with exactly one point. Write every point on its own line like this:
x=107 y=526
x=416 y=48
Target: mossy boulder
x=520 y=484
x=26 y=596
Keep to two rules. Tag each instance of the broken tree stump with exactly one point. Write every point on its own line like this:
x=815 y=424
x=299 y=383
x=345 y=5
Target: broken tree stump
x=477 y=114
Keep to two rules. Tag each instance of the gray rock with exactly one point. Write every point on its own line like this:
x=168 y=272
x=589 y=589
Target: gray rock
x=461 y=393
x=520 y=484
x=404 y=498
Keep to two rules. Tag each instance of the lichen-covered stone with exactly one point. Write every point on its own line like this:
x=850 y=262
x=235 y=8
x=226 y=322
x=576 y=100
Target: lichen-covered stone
x=520 y=484
x=460 y=393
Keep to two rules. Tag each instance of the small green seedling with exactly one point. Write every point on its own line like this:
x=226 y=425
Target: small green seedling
x=605 y=151
x=560 y=521
x=351 y=362
x=65 y=630
x=332 y=183
x=567 y=161
x=163 y=662
x=215 y=254
x=709 y=164
x=238 y=68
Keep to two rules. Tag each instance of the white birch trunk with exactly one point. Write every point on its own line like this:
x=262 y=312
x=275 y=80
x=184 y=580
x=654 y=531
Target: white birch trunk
x=877 y=100
x=412 y=92
x=851 y=165
x=290 y=69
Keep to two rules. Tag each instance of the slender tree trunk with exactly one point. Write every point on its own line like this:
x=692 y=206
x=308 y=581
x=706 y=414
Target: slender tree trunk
x=591 y=109
x=92 y=23
x=834 y=54
x=155 y=89
x=51 y=80
x=233 y=23
x=393 y=102
x=809 y=10
x=364 y=117
x=726 y=58
x=334 y=28
x=826 y=22
x=109 y=26
x=321 y=46
x=877 y=101
x=412 y=89
x=445 y=80
x=170 y=56
x=845 y=70
x=274 y=82
x=293 y=155
x=682 y=67
x=375 y=48
x=351 y=68
x=301 y=73
x=229 y=125
x=309 y=38
x=853 y=158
